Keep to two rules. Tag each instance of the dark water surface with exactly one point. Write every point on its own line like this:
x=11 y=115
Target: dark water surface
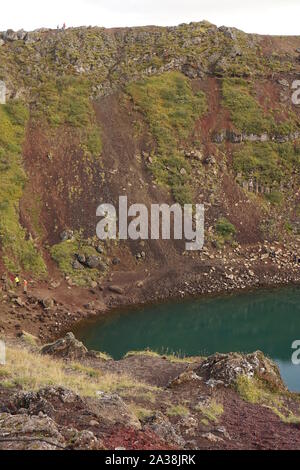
x=265 y=320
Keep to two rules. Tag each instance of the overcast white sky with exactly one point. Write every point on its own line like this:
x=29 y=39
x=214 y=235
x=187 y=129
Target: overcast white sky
x=257 y=16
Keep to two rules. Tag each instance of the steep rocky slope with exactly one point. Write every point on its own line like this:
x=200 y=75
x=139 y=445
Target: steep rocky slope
x=192 y=113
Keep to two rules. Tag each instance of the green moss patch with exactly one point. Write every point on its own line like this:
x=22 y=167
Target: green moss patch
x=246 y=113
x=171 y=109
x=64 y=254
x=269 y=163
x=177 y=410
x=255 y=391
x=225 y=228
x=19 y=251
x=211 y=411
x=66 y=101
x=249 y=117
x=225 y=232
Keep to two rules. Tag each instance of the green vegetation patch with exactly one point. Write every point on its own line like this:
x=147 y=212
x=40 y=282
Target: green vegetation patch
x=66 y=101
x=172 y=357
x=171 y=109
x=225 y=232
x=177 y=410
x=225 y=228
x=102 y=355
x=19 y=252
x=256 y=391
x=64 y=254
x=249 y=117
x=246 y=113
x=140 y=412
x=32 y=371
x=211 y=411
x=252 y=390
x=269 y=163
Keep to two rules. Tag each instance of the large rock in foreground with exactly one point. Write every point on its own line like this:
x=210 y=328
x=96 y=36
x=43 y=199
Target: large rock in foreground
x=23 y=432
x=224 y=369
x=68 y=347
x=108 y=408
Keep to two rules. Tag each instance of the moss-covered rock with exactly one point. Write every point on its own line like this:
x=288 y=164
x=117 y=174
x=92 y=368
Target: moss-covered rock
x=225 y=369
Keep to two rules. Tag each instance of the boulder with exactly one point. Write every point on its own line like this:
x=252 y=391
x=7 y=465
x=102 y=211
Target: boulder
x=21 y=34
x=210 y=160
x=194 y=154
x=44 y=400
x=32 y=36
x=81 y=258
x=66 y=235
x=218 y=137
x=102 y=267
x=116 y=289
x=83 y=440
x=10 y=35
x=68 y=347
x=25 y=432
x=29 y=433
x=76 y=265
x=212 y=437
x=283 y=82
x=224 y=369
x=19 y=302
x=234 y=138
x=112 y=410
x=161 y=426
x=185 y=377
x=92 y=262
x=47 y=303
x=190 y=71
x=231 y=33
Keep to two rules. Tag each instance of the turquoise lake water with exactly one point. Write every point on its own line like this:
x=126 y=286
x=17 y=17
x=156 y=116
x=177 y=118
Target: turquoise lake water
x=265 y=320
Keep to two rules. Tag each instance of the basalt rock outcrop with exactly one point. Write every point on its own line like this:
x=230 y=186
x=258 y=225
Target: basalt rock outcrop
x=68 y=347
x=23 y=432
x=224 y=369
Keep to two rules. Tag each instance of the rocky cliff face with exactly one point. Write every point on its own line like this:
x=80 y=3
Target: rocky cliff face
x=192 y=113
